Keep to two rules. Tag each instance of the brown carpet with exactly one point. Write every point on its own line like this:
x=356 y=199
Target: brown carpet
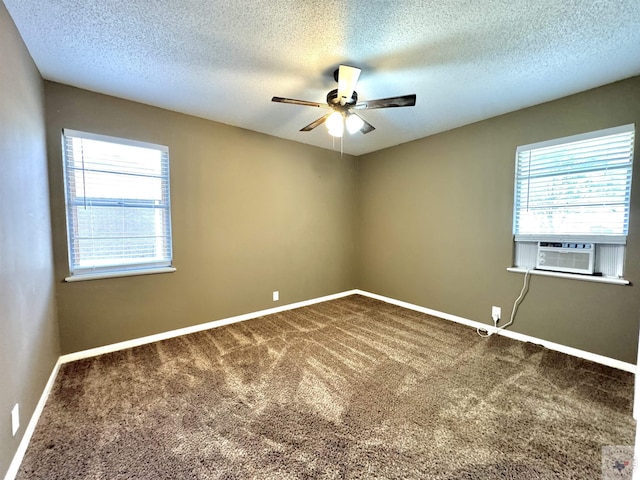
x=351 y=388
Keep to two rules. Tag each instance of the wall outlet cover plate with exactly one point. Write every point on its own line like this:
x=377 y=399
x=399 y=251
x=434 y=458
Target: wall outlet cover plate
x=15 y=419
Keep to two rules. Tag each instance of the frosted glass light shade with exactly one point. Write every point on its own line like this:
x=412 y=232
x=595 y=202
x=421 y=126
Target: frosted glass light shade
x=333 y=121
x=354 y=123
x=335 y=124
x=336 y=132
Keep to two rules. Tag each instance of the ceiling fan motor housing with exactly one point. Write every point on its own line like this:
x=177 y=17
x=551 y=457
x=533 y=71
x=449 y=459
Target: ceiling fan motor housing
x=334 y=102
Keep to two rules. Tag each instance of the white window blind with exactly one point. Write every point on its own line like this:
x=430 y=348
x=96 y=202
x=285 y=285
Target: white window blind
x=118 y=206
x=575 y=188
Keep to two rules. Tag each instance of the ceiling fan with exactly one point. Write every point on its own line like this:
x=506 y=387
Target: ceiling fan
x=343 y=101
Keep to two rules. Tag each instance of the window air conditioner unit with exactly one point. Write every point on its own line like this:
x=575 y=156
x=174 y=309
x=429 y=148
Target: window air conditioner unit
x=566 y=257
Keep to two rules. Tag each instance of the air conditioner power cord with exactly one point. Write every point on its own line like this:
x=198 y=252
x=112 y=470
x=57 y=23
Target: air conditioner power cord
x=516 y=304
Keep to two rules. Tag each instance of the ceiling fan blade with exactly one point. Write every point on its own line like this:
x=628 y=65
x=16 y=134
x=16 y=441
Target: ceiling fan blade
x=403 y=101
x=367 y=127
x=315 y=123
x=293 y=101
x=347 y=80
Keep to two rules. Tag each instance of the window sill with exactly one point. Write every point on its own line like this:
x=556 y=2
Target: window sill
x=124 y=273
x=572 y=276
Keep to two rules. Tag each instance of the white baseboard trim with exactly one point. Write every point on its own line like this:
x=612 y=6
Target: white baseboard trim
x=114 y=347
x=594 y=357
x=24 y=443
x=31 y=426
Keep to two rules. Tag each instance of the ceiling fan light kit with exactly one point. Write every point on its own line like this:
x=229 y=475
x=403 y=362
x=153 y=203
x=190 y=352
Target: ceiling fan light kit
x=343 y=101
x=335 y=124
x=354 y=123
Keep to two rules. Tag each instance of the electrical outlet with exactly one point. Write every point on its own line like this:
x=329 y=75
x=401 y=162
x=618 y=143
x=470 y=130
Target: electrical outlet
x=276 y=296
x=15 y=419
x=496 y=312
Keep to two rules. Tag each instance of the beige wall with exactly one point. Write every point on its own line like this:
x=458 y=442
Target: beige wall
x=251 y=214
x=28 y=330
x=435 y=226
x=427 y=222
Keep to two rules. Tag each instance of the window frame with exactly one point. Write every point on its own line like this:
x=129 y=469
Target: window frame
x=611 y=270
x=115 y=268
x=618 y=238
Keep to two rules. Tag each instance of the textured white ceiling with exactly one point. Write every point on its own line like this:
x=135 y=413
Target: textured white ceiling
x=224 y=59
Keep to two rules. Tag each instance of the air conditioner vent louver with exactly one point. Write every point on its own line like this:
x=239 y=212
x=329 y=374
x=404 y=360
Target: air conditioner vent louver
x=566 y=257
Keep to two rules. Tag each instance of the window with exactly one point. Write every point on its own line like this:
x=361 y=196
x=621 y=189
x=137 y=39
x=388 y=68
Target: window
x=575 y=189
x=117 y=203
